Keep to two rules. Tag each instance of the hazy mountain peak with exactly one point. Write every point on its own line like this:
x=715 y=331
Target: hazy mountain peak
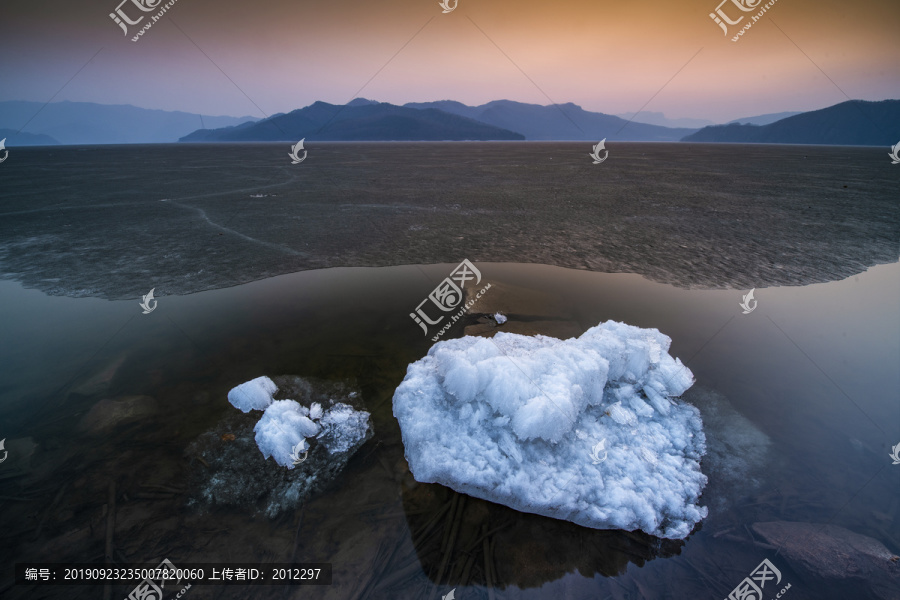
x=764 y=119
x=363 y=121
x=361 y=102
x=91 y=123
x=850 y=123
x=563 y=121
x=658 y=118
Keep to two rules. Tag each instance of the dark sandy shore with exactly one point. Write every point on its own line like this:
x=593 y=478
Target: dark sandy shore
x=113 y=222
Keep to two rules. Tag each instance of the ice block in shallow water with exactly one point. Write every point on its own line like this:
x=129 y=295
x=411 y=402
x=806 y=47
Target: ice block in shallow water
x=515 y=420
x=255 y=394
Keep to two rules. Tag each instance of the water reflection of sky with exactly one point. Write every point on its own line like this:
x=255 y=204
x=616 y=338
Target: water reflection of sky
x=816 y=368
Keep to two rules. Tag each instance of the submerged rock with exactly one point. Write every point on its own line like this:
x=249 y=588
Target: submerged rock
x=100 y=381
x=108 y=414
x=15 y=456
x=587 y=429
x=833 y=555
x=230 y=463
x=737 y=451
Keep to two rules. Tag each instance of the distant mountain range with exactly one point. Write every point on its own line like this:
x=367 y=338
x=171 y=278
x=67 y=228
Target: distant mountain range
x=557 y=121
x=364 y=119
x=855 y=122
x=658 y=118
x=14 y=138
x=360 y=120
x=763 y=119
x=851 y=123
x=90 y=123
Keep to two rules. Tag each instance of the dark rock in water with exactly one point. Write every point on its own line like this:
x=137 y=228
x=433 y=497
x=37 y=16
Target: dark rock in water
x=228 y=468
x=309 y=390
x=833 y=555
x=15 y=455
x=108 y=414
x=100 y=381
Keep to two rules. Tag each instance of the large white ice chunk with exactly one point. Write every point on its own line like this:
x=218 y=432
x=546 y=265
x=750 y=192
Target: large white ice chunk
x=513 y=420
x=255 y=394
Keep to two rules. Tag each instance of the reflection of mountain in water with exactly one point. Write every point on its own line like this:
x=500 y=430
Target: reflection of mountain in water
x=461 y=540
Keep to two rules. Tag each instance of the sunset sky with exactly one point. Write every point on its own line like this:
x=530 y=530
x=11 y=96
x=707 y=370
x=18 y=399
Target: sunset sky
x=611 y=57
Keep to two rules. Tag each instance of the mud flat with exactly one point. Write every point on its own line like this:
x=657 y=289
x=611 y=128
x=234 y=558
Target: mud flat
x=114 y=221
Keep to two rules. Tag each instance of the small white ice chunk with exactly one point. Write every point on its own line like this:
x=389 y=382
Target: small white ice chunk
x=283 y=426
x=501 y=319
x=342 y=427
x=513 y=420
x=287 y=427
x=255 y=394
x=315 y=411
